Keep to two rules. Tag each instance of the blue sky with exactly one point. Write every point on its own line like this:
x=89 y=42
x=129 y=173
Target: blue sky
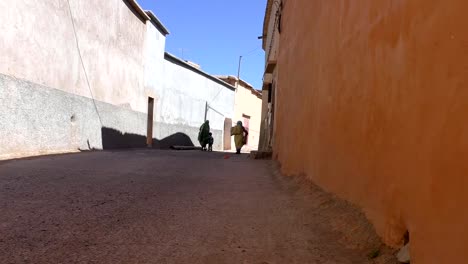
x=214 y=33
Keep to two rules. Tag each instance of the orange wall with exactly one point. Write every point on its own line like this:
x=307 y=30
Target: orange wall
x=373 y=105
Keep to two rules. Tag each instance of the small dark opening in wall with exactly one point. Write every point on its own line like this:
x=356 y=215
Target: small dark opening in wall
x=279 y=23
x=270 y=90
x=406 y=238
x=150 y=122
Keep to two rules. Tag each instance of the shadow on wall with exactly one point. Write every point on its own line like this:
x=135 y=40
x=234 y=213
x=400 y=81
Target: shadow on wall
x=114 y=139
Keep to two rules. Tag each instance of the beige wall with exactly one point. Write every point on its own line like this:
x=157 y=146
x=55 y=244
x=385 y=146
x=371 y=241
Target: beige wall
x=271 y=43
x=248 y=103
x=271 y=40
x=38 y=44
x=378 y=94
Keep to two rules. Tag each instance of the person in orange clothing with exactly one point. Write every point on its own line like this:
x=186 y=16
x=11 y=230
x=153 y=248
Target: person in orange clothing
x=240 y=135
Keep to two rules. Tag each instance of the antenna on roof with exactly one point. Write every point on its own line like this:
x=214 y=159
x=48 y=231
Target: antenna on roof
x=182 y=51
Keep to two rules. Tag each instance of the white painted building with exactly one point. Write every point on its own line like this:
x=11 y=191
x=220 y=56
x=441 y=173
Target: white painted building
x=83 y=76
x=184 y=94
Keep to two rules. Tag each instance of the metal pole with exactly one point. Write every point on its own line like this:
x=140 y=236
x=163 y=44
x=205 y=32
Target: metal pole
x=238 y=72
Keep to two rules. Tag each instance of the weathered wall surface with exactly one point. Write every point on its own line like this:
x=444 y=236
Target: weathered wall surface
x=44 y=120
x=46 y=103
x=271 y=42
x=372 y=103
x=38 y=44
x=39 y=120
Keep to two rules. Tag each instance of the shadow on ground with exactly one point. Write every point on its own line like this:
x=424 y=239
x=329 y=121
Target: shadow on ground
x=114 y=139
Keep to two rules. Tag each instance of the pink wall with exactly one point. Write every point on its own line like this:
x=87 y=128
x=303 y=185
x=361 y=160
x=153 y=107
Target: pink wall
x=373 y=105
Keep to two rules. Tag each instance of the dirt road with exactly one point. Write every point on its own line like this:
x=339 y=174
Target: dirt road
x=147 y=206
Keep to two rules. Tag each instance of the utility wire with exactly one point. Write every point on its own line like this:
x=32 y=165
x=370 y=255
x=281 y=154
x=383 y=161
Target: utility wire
x=216 y=111
x=82 y=63
x=251 y=52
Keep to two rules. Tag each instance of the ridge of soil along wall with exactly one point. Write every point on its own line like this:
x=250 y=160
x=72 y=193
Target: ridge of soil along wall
x=372 y=105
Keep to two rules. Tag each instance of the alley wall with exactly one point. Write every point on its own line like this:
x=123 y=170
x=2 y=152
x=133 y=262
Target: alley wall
x=38 y=44
x=45 y=99
x=371 y=105
x=182 y=93
x=47 y=105
x=247 y=106
x=183 y=97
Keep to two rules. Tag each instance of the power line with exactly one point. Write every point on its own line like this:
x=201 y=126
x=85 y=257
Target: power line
x=82 y=63
x=251 y=52
x=220 y=90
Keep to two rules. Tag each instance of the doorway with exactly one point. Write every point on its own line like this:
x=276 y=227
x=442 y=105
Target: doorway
x=246 y=126
x=149 y=130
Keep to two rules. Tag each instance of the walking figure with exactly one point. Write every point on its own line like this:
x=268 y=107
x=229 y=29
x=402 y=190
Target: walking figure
x=240 y=136
x=210 y=142
x=204 y=134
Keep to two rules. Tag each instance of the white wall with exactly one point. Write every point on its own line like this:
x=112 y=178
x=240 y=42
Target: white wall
x=154 y=58
x=181 y=93
x=38 y=44
x=125 y=62
x=184 y=96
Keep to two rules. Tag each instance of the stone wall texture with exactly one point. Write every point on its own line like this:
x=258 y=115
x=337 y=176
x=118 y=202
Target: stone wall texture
x=372 y=105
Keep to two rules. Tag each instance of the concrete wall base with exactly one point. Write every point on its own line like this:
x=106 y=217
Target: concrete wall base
x=38 y=120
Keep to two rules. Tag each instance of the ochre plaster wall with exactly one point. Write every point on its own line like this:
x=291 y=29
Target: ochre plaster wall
x=372 y=105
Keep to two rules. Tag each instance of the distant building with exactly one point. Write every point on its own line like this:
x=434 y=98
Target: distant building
x=247 y=108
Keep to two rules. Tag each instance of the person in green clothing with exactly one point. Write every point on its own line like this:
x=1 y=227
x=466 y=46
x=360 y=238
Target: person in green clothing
x=204 y=134
x=240 y=135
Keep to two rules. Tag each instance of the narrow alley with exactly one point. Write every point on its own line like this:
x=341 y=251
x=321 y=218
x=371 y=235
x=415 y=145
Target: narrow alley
x=150 y=206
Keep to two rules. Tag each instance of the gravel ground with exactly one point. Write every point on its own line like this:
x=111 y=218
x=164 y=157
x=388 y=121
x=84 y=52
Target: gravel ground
x=149 y=206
